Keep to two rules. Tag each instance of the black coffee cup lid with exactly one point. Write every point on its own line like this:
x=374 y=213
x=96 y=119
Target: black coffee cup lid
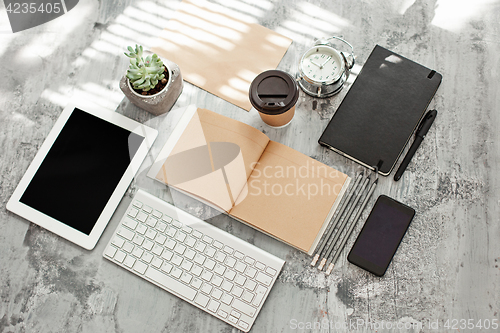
x=273 y=92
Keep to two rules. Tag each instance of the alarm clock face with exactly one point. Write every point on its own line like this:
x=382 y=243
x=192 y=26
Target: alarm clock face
x=322 y=64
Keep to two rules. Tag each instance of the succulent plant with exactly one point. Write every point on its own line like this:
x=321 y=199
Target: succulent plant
x=144 y=73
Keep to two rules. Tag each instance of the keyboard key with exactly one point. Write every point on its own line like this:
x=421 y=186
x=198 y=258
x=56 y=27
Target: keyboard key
x=137 y=204
x=220 y=257
x=151 y=233
x=240 y=267
x=206 y=288
x=125 y=233
x=207 y=239
x=196 y=283
x=141 y=228
x=200 y=246
x=270 y=271
x=209 y=264
x=171 y=284
x=197 y=234
x=243 y=325
x=230 y=274
x=217 y=293
x=237 y=291
x=240 y=279
x=190 y=241
x=210 y=251
x=157 y=249
x=176 y=260
x=217 y=280
x=186 y=277
x=250 y=285
x=233 y=319
x=239 y=255
x=199 y=259
x=227 y=286
x=151 y=221
x=132 y=212
x=227 y=299
x=110 y=251
x=170 y=243
x=120 y=256
x=176 y=272
x=179 y=248
x=142 y=217
x=213 y=306
x=167 y=218
x=128 y=247
x=171 y=231
x=261 y=291
x=230 y=262
x=219 y=269
x=196 y=270
x=228 y=249
x=181 y=236
x=177 y=224
x=189 y=254
x=235 y=314
x=147 y=209
x=137 y=252
x=247 y=296
x=166 y=267
x=264 y=279
x=250 y=272
x=167 y=255
x=147 y=257
x=260 y=265
x=222 y=313
x=157 y=214
x=202 y=300
x=129 y=223
x=160 y=239
x=118 y=241
x=140 y=267
x=249 y=260
x=138 y=239
x=187 y=229
x=148 y=245
x=186 y=265
x=218 y=245
x=157 y=262
x=129 y=262
x=160 y=226
x=207 y=276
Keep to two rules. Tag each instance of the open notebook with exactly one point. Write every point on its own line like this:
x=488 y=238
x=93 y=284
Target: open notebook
x=239 y=170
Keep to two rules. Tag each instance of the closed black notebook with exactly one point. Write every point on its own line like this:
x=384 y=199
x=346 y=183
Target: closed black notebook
x=379 y=113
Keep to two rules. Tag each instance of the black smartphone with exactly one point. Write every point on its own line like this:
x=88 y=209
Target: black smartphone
x=381 y=235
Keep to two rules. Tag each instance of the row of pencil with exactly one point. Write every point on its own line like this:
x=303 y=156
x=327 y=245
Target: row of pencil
x=331 y=246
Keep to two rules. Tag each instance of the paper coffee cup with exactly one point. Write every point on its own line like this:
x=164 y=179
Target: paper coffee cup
x=274 y=94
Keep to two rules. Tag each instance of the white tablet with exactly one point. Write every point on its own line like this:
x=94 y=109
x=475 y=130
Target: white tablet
x=81 y=172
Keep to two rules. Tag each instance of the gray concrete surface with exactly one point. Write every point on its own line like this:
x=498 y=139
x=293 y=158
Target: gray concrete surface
x=447 y=267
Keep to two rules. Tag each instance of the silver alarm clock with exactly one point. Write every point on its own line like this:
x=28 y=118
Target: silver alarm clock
x=323 y=70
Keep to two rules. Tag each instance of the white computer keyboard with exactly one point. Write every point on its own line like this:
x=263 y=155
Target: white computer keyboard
x=207 y=267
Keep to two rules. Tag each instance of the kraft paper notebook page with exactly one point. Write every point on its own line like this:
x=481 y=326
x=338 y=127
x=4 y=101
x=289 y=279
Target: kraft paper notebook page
x=381 y=110
x=219 y=49
x=237 y=169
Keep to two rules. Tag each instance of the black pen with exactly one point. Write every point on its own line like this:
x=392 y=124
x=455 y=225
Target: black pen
x=422 y=130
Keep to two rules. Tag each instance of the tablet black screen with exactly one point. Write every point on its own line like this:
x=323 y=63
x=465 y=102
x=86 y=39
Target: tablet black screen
x=81 y=170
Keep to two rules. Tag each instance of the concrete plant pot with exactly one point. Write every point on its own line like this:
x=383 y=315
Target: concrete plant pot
x=162 y=101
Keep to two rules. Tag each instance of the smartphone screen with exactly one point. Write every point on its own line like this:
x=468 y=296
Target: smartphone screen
x=381 y=235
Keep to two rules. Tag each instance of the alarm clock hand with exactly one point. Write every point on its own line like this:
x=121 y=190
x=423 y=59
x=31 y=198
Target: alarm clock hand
x=327 y=60
x=320 y=66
